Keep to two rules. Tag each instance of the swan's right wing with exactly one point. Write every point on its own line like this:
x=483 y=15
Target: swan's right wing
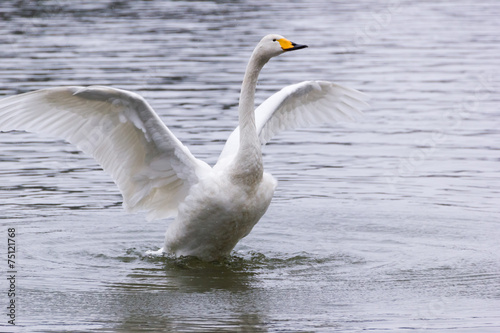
x=302 y=104
x=151 y=167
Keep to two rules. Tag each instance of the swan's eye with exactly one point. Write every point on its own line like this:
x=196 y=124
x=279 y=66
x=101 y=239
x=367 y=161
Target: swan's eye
x=274 y=40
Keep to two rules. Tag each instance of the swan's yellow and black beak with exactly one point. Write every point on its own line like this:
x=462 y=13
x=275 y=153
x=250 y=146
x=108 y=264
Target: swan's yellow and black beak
x=287 y=45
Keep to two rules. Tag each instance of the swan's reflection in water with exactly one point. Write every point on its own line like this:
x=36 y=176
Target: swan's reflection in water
x=183 y=294
x=190 y=274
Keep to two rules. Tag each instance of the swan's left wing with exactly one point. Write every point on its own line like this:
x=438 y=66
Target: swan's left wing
x=302 y=104
x=151 y=167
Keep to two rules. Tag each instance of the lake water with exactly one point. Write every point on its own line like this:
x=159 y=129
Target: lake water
x=388 y=224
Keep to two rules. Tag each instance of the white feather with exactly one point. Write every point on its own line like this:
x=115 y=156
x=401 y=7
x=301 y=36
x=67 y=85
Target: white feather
x=298 y=105
x=151 y=167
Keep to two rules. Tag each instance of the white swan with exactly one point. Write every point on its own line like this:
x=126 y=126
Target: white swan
x=214 y=207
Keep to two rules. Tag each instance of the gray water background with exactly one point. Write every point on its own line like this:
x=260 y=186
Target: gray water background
x=388 y=224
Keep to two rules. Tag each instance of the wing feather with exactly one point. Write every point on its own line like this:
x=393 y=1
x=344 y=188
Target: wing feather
x=302 y=104
x=151 y=167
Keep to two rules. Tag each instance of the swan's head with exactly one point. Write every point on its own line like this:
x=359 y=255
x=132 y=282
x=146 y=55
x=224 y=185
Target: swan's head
x=273 y=45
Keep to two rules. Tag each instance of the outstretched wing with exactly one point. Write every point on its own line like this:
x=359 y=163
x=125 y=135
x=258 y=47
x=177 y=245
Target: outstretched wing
x=151 y=167
x=302 y=104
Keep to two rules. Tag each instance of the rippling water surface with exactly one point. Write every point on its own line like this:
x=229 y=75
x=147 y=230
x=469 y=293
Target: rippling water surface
x=389 y=224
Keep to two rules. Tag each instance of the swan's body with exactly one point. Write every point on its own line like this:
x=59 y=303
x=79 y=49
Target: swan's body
x=214 y=207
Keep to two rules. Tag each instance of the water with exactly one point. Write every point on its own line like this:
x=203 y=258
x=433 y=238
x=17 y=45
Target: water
x=389 y=224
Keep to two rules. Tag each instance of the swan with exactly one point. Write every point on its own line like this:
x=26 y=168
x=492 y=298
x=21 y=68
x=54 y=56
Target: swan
x=214 y=207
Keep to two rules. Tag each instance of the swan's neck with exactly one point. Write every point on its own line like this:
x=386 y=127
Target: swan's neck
x=248 y=167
